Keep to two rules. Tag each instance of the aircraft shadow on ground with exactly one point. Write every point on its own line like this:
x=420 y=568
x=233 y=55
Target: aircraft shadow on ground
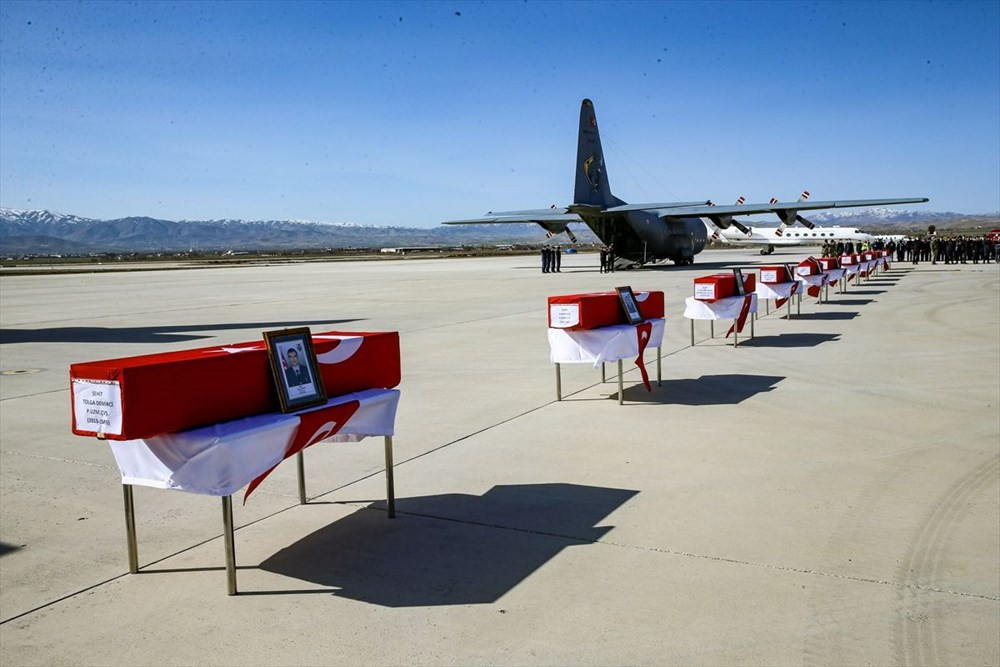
x=705 y=390
x=697 y=267
x=170 y=334
x=449 y=549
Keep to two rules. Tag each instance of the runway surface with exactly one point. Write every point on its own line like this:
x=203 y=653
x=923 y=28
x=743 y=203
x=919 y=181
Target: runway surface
x=826 y=494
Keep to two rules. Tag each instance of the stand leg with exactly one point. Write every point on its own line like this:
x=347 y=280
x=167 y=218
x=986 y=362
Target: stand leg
x=390 y=489
x=767 y=306
x=659 y=366
x=621 y=385
x=751 y=328
x=736 y=333
x=711 y=328
x=692 y=333
x=227 y=529
x=789 y=316
x=603 y=377
x=300 y=461
x=133 y=551
x=558 y=382
x=798 y=304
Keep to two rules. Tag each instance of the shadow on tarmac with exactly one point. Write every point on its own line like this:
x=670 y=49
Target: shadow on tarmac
x=141 y=334
x=7 y=548
x=705 y=390
x=449 y=549
x=790 y=339
x=837 y=315
x=848 y=302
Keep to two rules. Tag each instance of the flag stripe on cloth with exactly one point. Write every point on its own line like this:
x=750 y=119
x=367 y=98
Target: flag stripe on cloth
x=577 y=346
x=221 y=459
x=643 y=332
x=742 y=319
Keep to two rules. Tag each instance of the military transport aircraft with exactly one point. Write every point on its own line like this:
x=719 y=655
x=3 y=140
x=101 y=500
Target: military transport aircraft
x=644 y=233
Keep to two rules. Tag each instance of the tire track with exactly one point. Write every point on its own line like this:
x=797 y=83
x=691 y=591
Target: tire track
x=918 y=621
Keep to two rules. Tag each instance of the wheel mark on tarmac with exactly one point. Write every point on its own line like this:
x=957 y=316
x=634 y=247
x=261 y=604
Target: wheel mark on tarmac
x=917 y=627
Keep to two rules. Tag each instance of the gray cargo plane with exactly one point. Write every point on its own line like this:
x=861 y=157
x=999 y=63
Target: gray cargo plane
x=645 y=233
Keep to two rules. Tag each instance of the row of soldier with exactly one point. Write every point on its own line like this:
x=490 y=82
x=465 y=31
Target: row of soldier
x=950 y=250
x=551 y=260
x=833 y=248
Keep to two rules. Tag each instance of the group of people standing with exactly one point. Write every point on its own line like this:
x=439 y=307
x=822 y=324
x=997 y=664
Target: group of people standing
x=608 y=259
x=949 y=249
x=551 y=259
x=833 y=248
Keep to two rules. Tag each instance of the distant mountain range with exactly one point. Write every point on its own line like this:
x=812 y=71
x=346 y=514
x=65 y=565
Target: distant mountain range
x=48 y=232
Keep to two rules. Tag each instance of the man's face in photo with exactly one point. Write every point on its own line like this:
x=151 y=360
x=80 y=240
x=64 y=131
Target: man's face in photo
x=293 y=358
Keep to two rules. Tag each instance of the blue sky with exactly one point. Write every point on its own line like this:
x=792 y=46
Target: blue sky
x=413 y=113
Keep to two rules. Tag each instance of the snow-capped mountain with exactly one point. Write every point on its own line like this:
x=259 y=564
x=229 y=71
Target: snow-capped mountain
x=40 y=217
x=881 y=216
x=48 y=232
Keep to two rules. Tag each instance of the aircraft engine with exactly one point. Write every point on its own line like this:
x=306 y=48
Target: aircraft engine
x=553 y=228
x=727 y=221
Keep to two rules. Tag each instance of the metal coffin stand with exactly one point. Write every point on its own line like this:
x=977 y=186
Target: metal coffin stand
x=227 y=517
x=723 y=309
x=611 y=343
x=231 y=455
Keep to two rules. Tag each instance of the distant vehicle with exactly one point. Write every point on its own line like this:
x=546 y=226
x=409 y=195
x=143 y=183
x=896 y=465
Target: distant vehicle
x=570 y=251
x=643 y=233
x=994 y=235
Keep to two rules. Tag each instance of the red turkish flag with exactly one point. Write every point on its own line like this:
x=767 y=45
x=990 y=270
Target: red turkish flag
x=742 y=319
x=314 y=426
x=643 y=332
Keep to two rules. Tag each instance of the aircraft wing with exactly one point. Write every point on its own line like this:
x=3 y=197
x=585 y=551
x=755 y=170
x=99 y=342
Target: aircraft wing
x=656 y=207
x=757 y=209
x=540 y=216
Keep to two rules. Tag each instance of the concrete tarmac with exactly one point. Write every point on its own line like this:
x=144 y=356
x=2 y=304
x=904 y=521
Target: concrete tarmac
x=826 y=494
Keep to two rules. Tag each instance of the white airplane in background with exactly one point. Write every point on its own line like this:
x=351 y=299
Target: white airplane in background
x=769 y=237
x=783 y=234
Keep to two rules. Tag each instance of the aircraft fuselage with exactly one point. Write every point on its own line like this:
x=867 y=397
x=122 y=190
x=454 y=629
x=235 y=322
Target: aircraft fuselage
x=641 y=237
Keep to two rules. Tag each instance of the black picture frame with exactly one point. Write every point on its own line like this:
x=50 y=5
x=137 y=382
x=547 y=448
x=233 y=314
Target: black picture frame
x=631 y=307
x=740 y=287
x=288 y=349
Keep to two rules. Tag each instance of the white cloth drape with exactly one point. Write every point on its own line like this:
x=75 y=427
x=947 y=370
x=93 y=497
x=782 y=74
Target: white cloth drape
x=220 y=459
x=723 y=309
x=620 y=341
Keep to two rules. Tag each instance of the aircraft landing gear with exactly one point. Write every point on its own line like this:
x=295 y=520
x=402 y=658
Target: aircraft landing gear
x=767 y=251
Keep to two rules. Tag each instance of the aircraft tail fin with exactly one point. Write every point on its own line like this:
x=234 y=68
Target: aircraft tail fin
x=591 y=177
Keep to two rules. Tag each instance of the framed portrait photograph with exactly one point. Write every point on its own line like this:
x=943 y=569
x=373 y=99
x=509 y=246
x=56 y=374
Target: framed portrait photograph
x=740 y=289
x=294 y=368
x=630 y=305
